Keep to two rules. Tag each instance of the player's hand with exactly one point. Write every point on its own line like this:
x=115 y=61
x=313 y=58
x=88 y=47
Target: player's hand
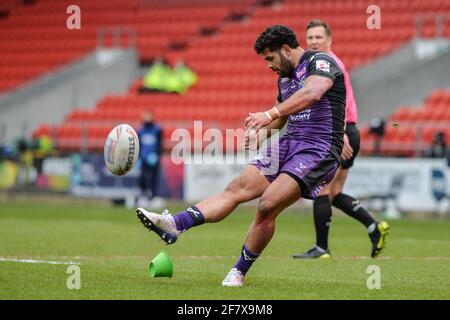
x=251 y=140
x=347 y=150
x=256 y=121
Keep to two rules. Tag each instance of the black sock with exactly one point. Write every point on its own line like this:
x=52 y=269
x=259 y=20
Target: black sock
x=353 y=208
x=322 y=220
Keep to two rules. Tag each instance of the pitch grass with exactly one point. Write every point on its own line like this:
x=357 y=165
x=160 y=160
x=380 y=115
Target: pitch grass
x=114 y=251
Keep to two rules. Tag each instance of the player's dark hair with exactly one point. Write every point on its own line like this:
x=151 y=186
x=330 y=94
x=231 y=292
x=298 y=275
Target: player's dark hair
x=319 y=23
x=274 y=37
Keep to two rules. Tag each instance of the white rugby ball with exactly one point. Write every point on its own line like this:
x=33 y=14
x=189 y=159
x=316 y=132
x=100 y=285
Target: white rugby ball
x=121 y=149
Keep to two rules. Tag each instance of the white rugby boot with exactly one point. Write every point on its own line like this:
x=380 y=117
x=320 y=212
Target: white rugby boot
x=234 y=278
x=162 y=224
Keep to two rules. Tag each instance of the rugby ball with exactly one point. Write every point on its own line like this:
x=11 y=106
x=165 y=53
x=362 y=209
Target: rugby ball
x=121 y=149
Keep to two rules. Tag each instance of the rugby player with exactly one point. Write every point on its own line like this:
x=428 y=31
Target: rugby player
x=311 y=100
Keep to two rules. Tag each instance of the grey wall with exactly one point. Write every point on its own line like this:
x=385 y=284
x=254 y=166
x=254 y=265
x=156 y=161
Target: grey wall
x=405 y=77
x=80 y=85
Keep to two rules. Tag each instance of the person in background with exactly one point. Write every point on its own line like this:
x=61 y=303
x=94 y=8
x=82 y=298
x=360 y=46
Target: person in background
x=150 y=142
x=160 y=77
x=318 y=38
x=155 y=80
x=186 y=75
x=438 y=148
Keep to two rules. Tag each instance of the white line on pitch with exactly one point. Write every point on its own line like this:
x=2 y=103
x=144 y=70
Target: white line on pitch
x=2 y=259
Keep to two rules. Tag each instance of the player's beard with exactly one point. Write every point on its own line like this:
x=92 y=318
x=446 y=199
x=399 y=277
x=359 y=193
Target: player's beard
x=286 y=66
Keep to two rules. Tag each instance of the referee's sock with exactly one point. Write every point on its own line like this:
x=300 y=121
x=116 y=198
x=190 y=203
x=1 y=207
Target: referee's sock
x=322 y=220
x=188 y=218
x=354 y=209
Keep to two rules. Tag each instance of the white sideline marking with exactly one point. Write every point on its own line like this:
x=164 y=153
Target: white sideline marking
x=2 y=259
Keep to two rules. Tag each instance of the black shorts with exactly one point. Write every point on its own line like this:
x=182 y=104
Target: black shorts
x=353 y=137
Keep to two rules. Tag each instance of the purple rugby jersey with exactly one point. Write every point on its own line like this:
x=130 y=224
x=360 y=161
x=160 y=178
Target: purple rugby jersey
x=323 y=122
x=310 y=150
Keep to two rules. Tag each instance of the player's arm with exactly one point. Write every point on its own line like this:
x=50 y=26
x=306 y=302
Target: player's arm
x=323 y=70
x=278 y=123
x=315 y=87
x=347 y=150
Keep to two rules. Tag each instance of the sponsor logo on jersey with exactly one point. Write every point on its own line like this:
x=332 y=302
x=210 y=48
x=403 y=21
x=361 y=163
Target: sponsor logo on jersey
x=304 y=115
x=301 y=72
x=323 y=65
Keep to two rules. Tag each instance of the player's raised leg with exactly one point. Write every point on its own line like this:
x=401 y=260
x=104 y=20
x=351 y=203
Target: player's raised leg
x=249 y=185
x=280 y=194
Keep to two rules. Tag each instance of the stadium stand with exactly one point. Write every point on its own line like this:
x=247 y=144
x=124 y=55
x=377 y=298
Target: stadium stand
x=232 y=81
x=409 y=131
x=32 y=40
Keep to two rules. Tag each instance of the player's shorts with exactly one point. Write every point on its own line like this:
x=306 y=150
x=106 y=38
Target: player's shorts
x=308 y=164
x=354 y=139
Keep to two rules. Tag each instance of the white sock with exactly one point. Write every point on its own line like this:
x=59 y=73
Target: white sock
x=372 y=227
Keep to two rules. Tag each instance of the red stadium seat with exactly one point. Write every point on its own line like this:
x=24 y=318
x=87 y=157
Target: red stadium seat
x=232 y=81
x=43 y=130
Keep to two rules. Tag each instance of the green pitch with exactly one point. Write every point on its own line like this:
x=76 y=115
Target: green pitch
x=114 y=251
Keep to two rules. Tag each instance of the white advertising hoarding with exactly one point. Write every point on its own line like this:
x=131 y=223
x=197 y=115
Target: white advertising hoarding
x=411 y=184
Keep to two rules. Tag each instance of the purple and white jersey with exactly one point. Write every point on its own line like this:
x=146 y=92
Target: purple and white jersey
x=323 y=123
